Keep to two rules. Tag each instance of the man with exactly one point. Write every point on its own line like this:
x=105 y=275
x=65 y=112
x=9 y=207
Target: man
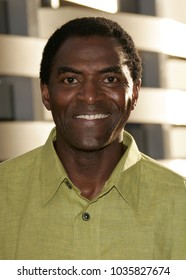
x=88 y=193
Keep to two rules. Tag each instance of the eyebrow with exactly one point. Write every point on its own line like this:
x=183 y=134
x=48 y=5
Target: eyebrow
x=110 y=69
x=67 y=69
x=113 y=69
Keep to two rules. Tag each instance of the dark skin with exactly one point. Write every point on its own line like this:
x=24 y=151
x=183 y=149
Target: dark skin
x=91 y=95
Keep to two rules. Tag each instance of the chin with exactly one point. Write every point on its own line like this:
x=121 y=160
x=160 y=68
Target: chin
x=90 y=145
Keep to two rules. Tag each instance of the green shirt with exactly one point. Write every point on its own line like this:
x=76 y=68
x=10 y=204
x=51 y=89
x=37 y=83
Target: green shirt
x=139 y=214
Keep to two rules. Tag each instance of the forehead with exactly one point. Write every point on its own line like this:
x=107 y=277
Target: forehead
x=90 y=48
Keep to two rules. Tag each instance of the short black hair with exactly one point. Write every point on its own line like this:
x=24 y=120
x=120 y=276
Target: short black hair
x=88 y=27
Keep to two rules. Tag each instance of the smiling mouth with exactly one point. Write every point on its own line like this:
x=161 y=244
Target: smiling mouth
x=93 y=117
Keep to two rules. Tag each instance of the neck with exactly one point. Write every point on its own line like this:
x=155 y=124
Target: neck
x=90 y=170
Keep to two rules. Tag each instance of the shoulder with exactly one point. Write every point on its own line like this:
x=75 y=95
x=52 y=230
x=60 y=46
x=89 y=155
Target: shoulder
x=13 y=167
x=156 y=174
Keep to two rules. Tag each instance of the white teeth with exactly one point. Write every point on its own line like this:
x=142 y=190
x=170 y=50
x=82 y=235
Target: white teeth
x=92 y=117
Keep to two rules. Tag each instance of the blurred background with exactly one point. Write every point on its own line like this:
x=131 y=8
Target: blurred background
x=159 y=30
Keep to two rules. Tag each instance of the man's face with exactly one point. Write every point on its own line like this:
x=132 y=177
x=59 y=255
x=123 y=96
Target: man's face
x=90 y=92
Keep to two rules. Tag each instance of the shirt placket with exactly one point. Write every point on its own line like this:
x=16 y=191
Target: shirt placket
x=87 y=231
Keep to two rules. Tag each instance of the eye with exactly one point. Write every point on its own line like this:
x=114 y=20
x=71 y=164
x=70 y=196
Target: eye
x=70 y=80
x=110 y=80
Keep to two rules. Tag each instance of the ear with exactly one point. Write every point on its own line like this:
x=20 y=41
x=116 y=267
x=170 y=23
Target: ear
x=136 y=90
x=45 y=96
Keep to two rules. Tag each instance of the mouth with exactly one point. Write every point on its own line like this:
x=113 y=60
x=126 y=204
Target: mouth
x=92 y=116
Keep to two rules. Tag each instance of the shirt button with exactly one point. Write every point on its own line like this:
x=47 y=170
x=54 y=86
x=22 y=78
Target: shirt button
x=85 y=216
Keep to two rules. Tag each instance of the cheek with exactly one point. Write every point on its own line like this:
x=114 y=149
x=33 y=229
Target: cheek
x=57 y=106
x=59 y=100
x=123 y=99
x=128 y=101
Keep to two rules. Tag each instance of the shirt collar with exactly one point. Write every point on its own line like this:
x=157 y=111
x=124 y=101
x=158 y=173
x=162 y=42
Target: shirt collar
x=126 y=175
x=132 y=154
x=53 y=173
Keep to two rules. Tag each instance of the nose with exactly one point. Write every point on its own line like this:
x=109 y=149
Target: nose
x=90 y=92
